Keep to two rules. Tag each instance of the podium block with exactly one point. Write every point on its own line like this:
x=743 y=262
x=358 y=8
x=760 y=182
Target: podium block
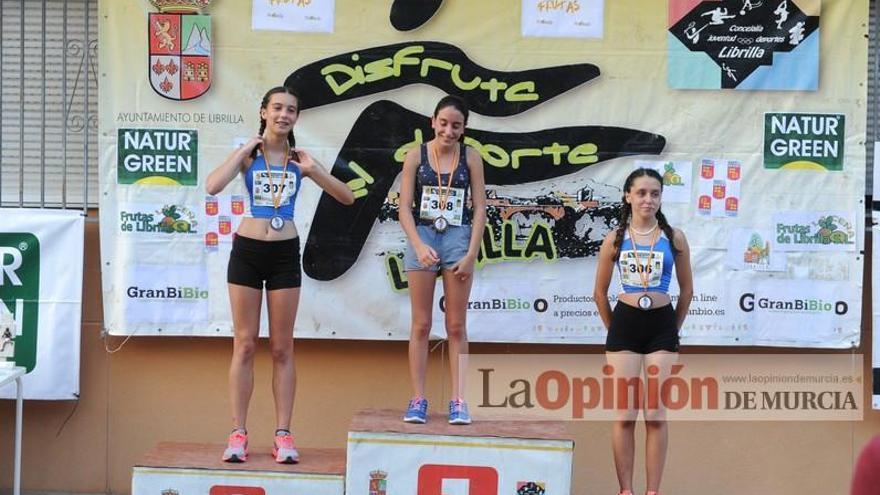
x=386 y=456
x=189 y=468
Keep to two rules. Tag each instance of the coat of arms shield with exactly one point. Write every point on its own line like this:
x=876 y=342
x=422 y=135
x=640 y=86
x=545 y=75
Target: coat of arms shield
x=180 y=54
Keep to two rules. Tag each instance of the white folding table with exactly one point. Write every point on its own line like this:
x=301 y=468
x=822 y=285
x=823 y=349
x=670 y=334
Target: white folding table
x=7 y=375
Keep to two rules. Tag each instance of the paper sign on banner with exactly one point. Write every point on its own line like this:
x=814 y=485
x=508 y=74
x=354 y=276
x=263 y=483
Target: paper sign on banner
x=798 y=310
x=743 y=44
x=167 y=293
x=676 y=178
x=159 y=220
x=563 y=19
x=719 y=188
x=300 y=16
x=815 y=230
x=754 y=249
x=223 y=215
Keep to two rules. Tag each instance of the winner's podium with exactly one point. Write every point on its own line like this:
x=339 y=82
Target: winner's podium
x=190 y=468
x=386 y=456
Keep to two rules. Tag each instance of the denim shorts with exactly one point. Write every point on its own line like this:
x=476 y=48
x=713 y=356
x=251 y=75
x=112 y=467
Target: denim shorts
x=450 y=246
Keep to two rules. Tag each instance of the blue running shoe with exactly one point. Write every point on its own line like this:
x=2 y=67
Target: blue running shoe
x=417 y=411
x=458 y=413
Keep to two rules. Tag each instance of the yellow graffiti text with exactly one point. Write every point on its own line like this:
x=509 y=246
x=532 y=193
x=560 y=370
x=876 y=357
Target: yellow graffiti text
x=496 y=156
x=342 y=77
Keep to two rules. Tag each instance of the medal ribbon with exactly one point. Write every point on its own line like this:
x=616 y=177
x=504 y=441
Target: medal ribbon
x=443 y=197
x=643 y=274
x=276 y=199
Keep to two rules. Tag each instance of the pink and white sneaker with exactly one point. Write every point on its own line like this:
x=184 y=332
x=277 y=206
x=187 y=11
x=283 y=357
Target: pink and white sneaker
x=283 y=450
x=236 y=447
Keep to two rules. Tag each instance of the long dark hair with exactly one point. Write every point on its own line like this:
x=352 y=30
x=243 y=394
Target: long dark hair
x=456 y=103
x=626 y=212
x=291 y=140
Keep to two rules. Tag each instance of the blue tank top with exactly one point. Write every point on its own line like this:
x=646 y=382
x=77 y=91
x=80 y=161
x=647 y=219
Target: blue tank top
x=659 y=269
x=427 y=176
x=260 y=200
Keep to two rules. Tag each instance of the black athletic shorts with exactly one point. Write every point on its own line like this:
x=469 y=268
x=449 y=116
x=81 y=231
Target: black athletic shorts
x=642 y=331
x=253 y=261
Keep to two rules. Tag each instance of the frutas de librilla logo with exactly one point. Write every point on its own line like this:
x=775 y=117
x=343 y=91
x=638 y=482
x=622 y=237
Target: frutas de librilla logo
x=180 y=49
x=20 y=291
x=169 y=219
x=815 y=231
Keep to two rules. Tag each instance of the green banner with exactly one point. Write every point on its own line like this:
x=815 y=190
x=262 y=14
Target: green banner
x=20 y=291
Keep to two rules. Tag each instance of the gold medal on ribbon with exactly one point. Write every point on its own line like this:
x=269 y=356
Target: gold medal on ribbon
x=645 y=302
x=440 y=222
x=277 y=221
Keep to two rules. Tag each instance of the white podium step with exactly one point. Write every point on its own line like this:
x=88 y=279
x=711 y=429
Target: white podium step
x=190 y=468
x=386 y=456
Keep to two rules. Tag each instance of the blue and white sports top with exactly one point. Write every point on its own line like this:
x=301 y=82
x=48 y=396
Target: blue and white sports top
x=659 y=268
x=260 y=190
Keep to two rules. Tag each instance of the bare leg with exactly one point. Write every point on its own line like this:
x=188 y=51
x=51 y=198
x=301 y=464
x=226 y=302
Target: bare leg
x=283 y=304
x=421 y=296
x=626 y=367
x=245 y=302
x=456 y=293
x=657 y=429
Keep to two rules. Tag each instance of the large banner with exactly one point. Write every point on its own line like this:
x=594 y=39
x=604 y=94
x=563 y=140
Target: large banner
x=41 y=271
x=875 y=279
x=767 y=184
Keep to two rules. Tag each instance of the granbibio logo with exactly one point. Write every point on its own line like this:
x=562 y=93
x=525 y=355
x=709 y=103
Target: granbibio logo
x=497 y=304
x=170 y=293
x=748 y=302
x=167 y=293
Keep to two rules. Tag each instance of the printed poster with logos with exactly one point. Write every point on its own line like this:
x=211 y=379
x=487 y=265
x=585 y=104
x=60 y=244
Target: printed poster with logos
x=41 y=277
x=563 y=19
x=314 y=16
x=744 y=44
x=558 y=132
x=719 y=188
x=676 y=179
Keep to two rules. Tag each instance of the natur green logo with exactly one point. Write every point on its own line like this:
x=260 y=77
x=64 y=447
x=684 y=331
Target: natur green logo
x=20 y=291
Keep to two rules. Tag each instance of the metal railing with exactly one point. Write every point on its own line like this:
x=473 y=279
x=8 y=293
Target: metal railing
x=48 y=103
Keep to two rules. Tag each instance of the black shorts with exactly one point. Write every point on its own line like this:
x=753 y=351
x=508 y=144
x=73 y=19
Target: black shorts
x=253 y=261
x=642 y=331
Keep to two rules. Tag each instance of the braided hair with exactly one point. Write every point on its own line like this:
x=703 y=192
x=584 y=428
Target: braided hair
x=291 y=140
x=626 y=212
